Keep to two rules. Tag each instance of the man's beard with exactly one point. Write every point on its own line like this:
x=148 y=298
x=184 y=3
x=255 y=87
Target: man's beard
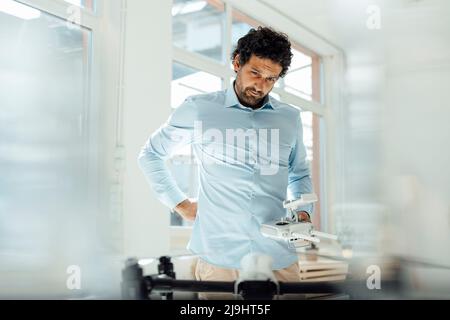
x=250 y=95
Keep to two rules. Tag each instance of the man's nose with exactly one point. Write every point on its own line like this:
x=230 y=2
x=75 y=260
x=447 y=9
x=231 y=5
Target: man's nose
x=259 y=84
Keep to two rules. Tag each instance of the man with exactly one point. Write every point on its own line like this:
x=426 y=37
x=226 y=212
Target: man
x=237 y=193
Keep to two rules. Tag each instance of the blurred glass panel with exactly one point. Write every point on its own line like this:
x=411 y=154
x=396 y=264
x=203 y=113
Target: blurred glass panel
x=44 y=215
x=198 y=26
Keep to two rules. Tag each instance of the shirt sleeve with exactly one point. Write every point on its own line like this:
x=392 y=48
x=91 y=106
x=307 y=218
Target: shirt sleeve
x=299 y=174
x=174 y=134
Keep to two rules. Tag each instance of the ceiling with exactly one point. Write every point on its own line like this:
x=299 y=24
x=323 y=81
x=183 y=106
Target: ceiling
x=321 y=16
x=418 y=25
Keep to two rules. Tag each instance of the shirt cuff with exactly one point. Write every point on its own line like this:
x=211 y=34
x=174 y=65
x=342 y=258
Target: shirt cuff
x=173 y=197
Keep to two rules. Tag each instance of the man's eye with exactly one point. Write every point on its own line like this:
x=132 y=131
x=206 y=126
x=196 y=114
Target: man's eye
x=254 y=73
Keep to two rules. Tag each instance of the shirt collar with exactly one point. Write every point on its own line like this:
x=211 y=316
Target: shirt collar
x=231 y=99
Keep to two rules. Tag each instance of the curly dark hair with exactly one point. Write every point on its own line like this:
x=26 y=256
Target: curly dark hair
x=265 y=43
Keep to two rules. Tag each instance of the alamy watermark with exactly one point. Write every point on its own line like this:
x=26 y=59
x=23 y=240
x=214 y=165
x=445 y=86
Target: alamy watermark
x=73 y=281
x=256 y=147
x=374 y=280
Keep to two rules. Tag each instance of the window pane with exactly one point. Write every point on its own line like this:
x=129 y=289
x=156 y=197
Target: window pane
x=241 y=26
x=313 y=142
x=88 y=4
x=275 y=95
x=198 y=27
x=299 y=60
x=43 y=146
x=307 y=123
x=299 y=82
x=187 y=81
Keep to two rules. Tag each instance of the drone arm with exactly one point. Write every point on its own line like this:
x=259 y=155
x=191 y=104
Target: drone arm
x=158 y=283
x=261 y=286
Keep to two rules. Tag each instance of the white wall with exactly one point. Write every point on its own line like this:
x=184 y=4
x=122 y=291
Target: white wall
x=396 y=106
x=146 y=107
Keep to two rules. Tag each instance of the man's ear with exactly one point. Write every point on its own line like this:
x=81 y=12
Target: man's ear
x=236 y=63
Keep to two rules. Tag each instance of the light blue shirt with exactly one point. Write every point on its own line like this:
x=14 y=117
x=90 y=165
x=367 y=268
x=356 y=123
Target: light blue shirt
x=249 y=162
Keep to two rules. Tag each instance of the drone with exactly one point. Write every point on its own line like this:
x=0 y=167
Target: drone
x=296 y=233
x=256 y=281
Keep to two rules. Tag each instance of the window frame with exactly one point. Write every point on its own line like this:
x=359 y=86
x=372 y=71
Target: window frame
x=90 y=19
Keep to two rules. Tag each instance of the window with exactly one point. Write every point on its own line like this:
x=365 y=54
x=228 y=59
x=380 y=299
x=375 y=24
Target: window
x=300 y=87
x=298 y=80
x=198 y=26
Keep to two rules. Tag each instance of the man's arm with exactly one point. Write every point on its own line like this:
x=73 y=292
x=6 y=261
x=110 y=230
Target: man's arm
x=299 y=176
x=176 y=133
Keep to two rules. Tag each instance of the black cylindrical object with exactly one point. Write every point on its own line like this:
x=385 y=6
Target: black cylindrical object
x=133 y=282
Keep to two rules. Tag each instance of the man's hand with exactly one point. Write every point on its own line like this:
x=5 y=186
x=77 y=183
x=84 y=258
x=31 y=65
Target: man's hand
x=303 y=216
x=187 y=209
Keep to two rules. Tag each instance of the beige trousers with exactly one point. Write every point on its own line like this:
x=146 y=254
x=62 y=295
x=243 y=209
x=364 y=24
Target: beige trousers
x=208 y=272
